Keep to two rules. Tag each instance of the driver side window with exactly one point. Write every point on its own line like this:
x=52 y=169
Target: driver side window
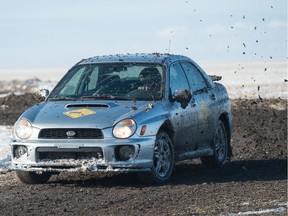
x=178 y=78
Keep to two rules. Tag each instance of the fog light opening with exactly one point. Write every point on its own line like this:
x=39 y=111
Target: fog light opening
x=19 y=151
x=143 y=130
x=124 y=153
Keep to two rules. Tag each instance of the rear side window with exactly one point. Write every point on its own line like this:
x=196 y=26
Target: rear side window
x=195 y=78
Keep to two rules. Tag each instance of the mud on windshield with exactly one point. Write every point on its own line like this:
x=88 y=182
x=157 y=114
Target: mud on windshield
x=126 y=81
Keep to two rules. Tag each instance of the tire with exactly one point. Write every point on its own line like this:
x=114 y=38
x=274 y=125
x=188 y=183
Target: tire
x=220 y=149
x=33 y=177
x=163 y=161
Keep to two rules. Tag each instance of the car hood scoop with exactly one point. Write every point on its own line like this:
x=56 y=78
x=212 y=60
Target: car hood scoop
x=88 y=105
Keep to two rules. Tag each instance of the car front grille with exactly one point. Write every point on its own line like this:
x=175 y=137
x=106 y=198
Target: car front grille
x=54 y=154
x=71 y=133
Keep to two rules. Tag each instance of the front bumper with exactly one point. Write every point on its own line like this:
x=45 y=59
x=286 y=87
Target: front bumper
x=83 y=155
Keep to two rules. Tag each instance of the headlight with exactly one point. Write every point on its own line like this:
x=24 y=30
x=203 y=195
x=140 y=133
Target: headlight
x=23 y=129
x=124 y=128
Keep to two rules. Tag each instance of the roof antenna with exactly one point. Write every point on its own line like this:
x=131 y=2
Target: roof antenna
x=169 y=46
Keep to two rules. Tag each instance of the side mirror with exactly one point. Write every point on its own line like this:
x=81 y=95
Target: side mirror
x=182 y=96
x=42 y=94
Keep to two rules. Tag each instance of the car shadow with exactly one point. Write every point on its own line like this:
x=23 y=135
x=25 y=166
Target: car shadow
x=189 y=173
x=235 y=171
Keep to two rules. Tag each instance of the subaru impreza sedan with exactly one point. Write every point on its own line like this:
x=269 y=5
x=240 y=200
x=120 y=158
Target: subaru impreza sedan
x=125 y=113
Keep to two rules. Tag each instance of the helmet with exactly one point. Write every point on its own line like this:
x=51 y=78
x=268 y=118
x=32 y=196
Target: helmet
x=150 y=77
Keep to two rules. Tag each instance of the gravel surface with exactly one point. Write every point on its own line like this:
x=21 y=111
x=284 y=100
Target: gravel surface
x=254 y=183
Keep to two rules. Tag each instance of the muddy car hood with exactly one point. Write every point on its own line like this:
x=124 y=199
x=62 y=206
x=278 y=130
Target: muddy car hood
x=82 y=114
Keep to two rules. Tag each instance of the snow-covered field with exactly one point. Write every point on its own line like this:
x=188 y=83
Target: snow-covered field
x=5 y=133
x=252 y=79
x=242 y=80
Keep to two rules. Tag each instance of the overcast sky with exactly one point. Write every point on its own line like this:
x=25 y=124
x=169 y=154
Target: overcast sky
x=54 y=33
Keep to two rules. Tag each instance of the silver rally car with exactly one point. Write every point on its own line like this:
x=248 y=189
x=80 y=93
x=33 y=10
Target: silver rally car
x=123 y=113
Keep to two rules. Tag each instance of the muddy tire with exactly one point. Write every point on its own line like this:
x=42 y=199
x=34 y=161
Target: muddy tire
x=33 y=177
x=163 y=161
x=220 y=149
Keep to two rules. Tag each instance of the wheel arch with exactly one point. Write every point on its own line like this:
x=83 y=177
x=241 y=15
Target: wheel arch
x=169 y=129
x=224 y=117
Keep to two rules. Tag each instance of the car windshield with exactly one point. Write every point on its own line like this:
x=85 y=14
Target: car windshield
x=119 y=81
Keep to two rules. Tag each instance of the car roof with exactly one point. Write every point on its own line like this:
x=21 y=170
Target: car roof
x=160 y=58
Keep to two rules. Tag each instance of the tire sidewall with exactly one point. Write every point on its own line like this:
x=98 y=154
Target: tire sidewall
x=220 y=162
x=156 y=177
x=27 y=177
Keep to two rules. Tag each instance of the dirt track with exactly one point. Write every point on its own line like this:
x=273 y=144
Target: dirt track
x=255 y=180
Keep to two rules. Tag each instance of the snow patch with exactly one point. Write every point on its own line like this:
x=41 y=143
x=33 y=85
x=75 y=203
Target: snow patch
x=5 y=158
x=278 y=210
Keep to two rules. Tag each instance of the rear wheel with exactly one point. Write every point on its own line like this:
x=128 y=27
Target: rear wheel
x=220 y=148
x=163 y=161
x=33 y=177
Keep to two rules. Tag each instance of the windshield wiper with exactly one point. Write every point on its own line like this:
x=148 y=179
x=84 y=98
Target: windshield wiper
x=62 y=99
x=106 y=97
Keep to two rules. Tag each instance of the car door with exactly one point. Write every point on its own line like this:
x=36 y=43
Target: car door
x=202 y=103
x=185 y=120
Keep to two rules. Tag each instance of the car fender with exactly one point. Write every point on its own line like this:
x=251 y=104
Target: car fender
x=153 y=119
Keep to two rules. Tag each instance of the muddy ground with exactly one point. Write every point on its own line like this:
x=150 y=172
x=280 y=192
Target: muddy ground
x=253 y=183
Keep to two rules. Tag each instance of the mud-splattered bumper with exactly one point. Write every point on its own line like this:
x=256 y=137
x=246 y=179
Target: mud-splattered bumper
x=84 y=156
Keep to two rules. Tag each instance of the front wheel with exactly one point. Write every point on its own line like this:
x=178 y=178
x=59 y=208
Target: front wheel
x=163 y=161
x=220 y=148
x=33 y=177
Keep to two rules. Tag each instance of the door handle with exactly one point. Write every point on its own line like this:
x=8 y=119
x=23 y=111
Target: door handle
x=193 y=103
x=213 y=96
